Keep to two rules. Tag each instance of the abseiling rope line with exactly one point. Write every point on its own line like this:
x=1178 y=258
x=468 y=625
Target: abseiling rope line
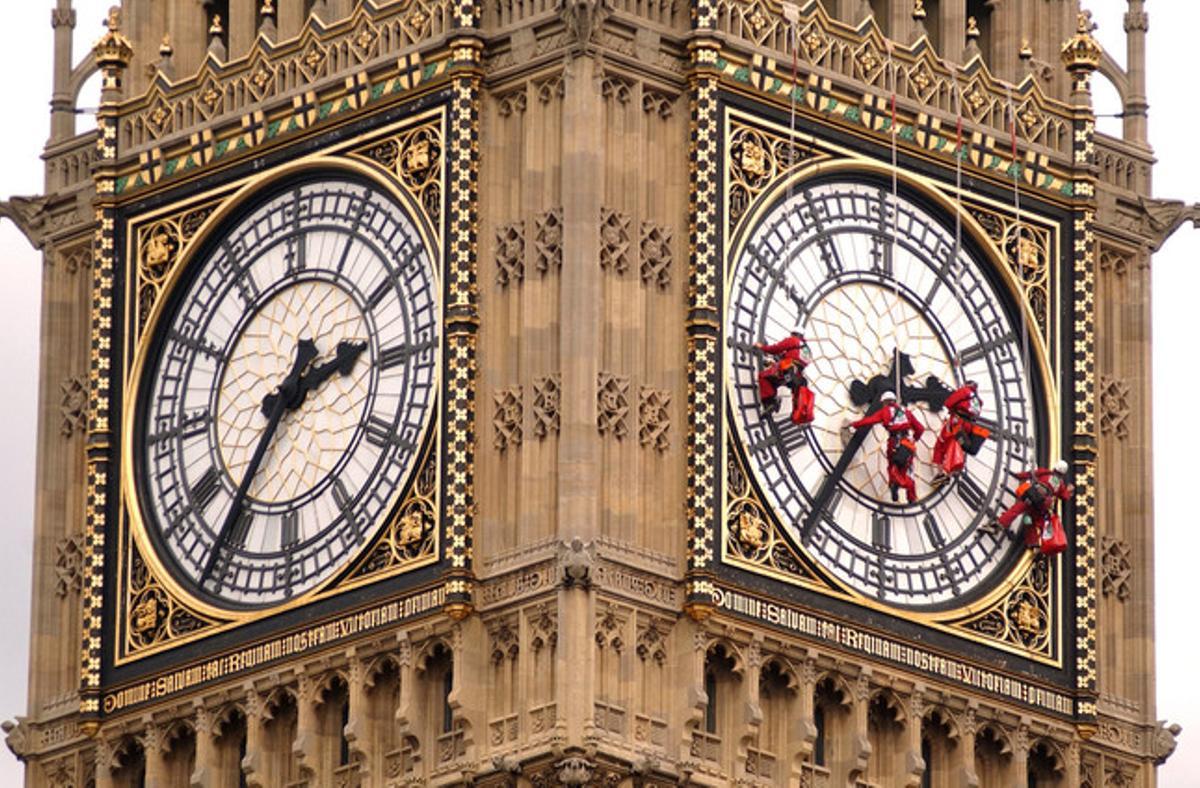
x=895 y=235
x=955 y=263
x=1018 y=237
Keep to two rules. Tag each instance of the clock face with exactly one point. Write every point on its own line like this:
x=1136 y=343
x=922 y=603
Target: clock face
x=286 y=392
x=823 y=261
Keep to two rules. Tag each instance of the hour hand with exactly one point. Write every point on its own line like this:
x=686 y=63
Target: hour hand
x=342 y=363
x=290 y=387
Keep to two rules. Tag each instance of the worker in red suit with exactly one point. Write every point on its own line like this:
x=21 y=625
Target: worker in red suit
x=960 y=434
x=792 y=355
x=904 y=430
x=1036 y=507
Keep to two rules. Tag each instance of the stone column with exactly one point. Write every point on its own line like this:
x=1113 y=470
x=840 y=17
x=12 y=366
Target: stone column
x=307 y=746
x=860 y=740
x=255 y=764
x=290 y=18
x=579 y=350
x=853 y=11
x=206 y=773
x=914 y=764
x=751 y=704
x=803 y=730
x=357 y=730
x=189 y=34
x=104 y=764
x=964 y=768
x=242 y=26
x=406 y=706
x=1137 y=24
x=1019 y=773
x=952 y=30
x=62 y=117
x=1006 y=41
x=154 y=745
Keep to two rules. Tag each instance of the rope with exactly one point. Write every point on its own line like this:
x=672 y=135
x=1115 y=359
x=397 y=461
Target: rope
x=792 y=122
x=1019 y=237
x=895 y=230
x=955 y=267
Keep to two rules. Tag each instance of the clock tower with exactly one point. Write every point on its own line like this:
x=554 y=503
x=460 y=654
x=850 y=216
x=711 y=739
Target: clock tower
x=595 y=393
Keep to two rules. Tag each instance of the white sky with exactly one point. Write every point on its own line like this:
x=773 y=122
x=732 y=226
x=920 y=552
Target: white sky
x=25 y=63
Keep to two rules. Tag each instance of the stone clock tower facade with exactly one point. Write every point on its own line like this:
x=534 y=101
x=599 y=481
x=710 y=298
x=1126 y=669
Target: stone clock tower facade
x=401 y=419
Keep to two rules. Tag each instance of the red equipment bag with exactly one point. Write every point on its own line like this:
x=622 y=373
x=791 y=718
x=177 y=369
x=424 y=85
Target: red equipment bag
x=802 y=406
x=1054 y=538
x=953 y=458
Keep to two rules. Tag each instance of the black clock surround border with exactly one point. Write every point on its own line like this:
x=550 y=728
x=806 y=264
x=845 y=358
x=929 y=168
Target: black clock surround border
x=415 y=583
x=727 y=577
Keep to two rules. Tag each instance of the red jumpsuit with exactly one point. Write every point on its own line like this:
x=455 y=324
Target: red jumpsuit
x=903 y=433
x=1037 y=496
x=787 y=370
x=959 y=433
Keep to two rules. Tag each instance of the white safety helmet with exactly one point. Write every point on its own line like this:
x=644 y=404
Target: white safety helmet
x=1061 y=467
x=887 y=396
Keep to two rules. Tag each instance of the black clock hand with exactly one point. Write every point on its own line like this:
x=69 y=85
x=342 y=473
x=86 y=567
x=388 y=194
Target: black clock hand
x=306 y=351
x=821 y=499
x=343 y=362
x=933 y=393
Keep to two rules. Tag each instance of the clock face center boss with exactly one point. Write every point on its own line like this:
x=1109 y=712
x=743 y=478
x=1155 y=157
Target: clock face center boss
x=286 y=388
x=914 y=415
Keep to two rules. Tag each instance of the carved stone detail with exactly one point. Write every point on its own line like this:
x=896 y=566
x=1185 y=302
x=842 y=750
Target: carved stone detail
x=655 y=250
x=617 y=88
x=543 y=628
x=614 y=240
x=651 y=642
x=72 y=405
x=609 y=627
x=504 y=639
x=1114 y=407
x=547 y=241
x=550 y=88
x=1118 y=774
x=1116 y=568
x=583 y=19
x=575 y=770
x=74 y=259
x=1164 y=742
x=658 y=103
x=1116 y=261
x=547 y=398
x=68 y=565
x=511 y=103
x=612 y=405
x=507 y=418
x=510 y=253
x=654 y=420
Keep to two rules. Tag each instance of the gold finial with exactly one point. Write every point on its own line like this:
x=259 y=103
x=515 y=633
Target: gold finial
x=918 y=11
x=113 y=50
x=1026 y=50
x=165 y=49
x=268 y=8
x=215 y=29
x=973 y=33
x=1080 y=53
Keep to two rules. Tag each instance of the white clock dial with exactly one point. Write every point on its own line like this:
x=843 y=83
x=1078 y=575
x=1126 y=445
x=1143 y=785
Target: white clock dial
x=823 y=261
x=287 y=390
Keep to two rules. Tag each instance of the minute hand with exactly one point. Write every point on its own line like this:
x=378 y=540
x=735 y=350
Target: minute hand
x=306 y=351
x=821 y=499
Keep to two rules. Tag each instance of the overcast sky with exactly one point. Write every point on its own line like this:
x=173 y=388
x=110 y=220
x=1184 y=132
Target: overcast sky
x=25 y=63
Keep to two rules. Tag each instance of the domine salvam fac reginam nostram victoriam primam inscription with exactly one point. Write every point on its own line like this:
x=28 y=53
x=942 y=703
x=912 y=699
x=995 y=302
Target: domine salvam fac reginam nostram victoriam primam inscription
x=594 y=393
